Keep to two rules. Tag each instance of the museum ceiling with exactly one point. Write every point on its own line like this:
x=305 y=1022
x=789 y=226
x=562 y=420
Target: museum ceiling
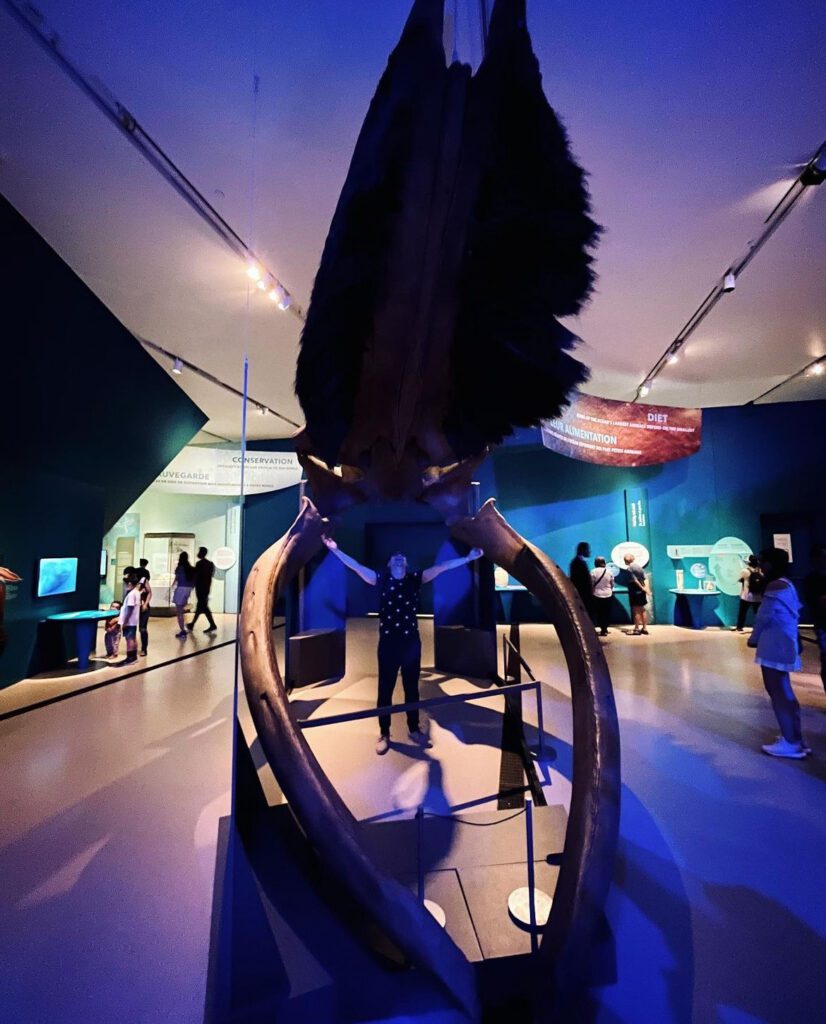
x=689 y=118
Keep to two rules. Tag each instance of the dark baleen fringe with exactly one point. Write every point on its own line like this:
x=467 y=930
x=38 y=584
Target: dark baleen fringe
x=528 y=257
x=351 y=278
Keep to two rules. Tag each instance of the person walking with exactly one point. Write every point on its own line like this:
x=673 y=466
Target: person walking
x=184 y=581
x=637 y=595
x=751 y=590
x=814 y=590
x=129 y=618
x=400 y=646
x=775 y=636
x=580 y=575
x=204 y=571
x=602 y=593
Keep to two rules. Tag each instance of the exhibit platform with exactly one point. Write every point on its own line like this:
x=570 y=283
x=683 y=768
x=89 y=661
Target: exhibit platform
x=164 y=649
x=112 y=802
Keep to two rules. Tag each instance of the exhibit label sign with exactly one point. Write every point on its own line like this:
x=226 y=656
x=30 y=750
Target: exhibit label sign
x=218 y=471
x=613 y=433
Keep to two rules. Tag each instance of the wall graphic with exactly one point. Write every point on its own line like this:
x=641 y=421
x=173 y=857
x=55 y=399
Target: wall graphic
x=199 y=470
x=613 y=433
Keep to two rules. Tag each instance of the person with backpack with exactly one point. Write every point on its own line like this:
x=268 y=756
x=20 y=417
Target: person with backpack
x=602 y=583
x=752 y=584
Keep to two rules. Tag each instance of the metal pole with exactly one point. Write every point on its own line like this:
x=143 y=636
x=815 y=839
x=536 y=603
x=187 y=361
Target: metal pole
x=540 y=720
x=420 y=850
x=531 y=880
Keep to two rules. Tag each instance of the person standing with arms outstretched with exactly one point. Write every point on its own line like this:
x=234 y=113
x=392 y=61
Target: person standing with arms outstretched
x=400 y=646
x=204 y=571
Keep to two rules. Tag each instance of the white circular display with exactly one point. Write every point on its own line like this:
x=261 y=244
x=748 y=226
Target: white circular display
x=436 y=912
x=698 y=570
x=726 y=561
x=224 y=558
x=519 y=907
x=630 y=547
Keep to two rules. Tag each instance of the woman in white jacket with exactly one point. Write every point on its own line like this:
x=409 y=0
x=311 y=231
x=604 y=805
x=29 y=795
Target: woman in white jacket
x=778 y=651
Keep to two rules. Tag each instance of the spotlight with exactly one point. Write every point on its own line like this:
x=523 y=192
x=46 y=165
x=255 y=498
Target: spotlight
x=645 y=387
x=818 y=369
x=254 y=272
x=814 y=174
x=286 y=301
x=177 y=367
x=263 y=410
x=729 y=282
x=261 y=284
x=673 y=358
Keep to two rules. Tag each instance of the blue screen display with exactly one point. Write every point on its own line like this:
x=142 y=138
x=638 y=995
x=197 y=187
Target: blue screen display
x=57 y=576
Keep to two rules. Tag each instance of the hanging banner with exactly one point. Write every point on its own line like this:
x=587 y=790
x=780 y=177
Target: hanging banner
x=218 y=471
x=613 y=433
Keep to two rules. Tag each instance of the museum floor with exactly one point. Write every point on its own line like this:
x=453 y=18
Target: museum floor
x=111 y=803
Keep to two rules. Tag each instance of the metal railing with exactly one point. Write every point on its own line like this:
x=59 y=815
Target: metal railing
x=432 y=702
x=462 y=698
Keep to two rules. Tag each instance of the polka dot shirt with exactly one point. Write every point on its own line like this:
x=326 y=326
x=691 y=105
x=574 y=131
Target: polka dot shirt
x=398 y=604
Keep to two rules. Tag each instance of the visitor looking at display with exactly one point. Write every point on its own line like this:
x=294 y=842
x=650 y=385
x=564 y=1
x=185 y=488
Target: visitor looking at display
x=146 y=601
x=751 y=590
x=602 y=592
x=637 y=595
x=184 y=581
x=112 y=632
x=204 y=571
x=580 y=574
x=814 y=590
x=775 y=635
x=129 y=618
x=400 y=646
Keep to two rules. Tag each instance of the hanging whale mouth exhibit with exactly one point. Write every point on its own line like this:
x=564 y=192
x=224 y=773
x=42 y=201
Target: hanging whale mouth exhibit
x=461 y=234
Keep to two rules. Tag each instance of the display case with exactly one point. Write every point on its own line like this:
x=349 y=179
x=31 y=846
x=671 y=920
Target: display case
x=161 y=550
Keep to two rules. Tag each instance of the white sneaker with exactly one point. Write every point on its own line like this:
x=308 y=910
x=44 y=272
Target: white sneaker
x=782 y=748
x=382 y=744
x=419 y=738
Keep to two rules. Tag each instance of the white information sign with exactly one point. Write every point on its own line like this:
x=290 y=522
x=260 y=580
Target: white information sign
x=218 y=471
x=630 y=547
x=224 y=558
x=784 y=542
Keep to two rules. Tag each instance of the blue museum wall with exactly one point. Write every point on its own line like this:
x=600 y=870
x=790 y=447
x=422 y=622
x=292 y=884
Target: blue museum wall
x=47 y=528
x=89 y=420
x=754 y=460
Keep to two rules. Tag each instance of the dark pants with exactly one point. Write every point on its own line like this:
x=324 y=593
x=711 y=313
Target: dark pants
x=202 y=608
x=144 y=629
x=743 y=611
x=396 y=653
x=602 y=612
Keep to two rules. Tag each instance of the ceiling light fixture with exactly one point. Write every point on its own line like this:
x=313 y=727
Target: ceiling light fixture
x=673 y=358
x=818 y=369
x=644 y=388
x=206 y=375
x=177 y=367
x=812 y=174
x=263 y=410
x=33 y=21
